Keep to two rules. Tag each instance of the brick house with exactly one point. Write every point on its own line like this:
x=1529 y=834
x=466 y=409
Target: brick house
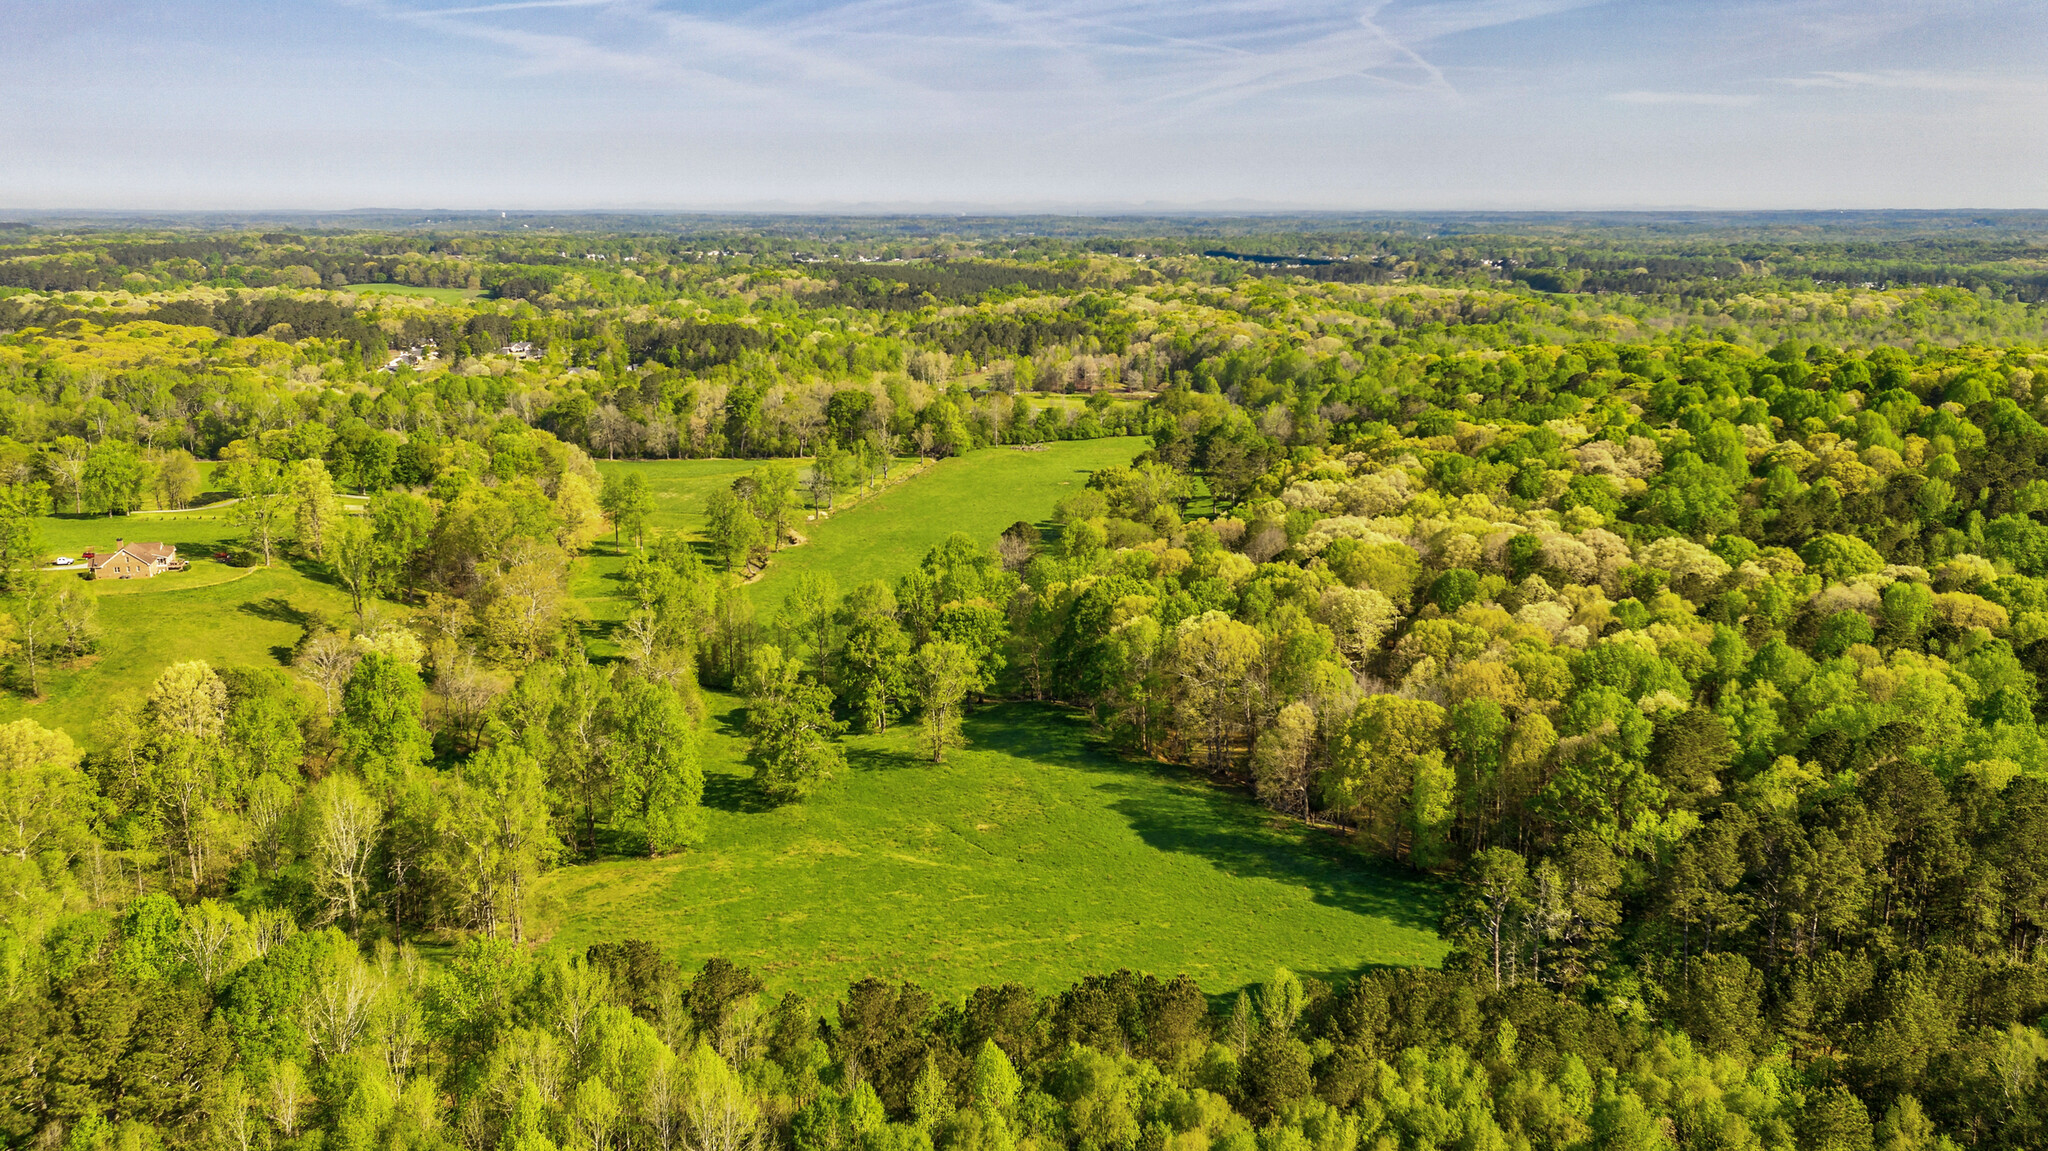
x=135 y=561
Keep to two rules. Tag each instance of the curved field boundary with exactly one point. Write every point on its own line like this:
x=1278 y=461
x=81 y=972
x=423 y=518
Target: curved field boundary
x=1032 y=855
x=151 y=586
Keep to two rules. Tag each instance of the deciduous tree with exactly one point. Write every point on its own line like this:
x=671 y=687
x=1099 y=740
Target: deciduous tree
x=794 y=738
x=941 y=673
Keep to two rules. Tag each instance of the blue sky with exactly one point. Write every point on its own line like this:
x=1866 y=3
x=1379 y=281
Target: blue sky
x=1087 y=104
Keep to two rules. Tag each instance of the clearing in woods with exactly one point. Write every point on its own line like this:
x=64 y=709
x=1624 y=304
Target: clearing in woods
x=980 y=493
x=227 y=616
x=881 y=537
x=438 y=295
x=676 y=489
x=1032 y=856
x=251 y=617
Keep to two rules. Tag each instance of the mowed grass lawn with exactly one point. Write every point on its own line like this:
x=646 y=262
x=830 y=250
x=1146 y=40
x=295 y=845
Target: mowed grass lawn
x=198 y=534
x=227 y=616
x=1031 y=856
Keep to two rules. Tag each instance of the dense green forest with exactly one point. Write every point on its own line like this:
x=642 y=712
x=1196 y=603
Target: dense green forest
x=1673 y=593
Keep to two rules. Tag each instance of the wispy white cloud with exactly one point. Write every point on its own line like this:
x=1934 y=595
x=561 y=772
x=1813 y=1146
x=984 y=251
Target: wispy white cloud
x=509 y=6
x=1384 y=102
x=1103 y=61
x=1911 y=80
x=1702 y=99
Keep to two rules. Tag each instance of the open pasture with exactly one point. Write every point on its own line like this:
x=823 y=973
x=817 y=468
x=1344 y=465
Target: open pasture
x=980 y=493
x=438 y=295
x=1031 y=856
x=881 y=537
x=676 y=489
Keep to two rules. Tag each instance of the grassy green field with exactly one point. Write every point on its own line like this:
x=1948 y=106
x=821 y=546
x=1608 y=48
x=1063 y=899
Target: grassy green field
x=1031 y=856
x=195 y=532
x=234 y=617
x=438 y=295
x=677 y=488
x=229 y=617
x=980 y=493
x=881 y=537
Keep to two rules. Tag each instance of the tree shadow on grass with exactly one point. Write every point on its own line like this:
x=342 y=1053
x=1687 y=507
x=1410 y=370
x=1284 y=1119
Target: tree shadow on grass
x=864 y=759
x=1172 y=811
x=731 y=722
x=315 y=571
x=601 y=629
x=730 y=791
x=738 y=794
x=278 y=609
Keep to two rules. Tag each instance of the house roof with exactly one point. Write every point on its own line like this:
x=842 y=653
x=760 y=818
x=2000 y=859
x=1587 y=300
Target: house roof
x=146 y=552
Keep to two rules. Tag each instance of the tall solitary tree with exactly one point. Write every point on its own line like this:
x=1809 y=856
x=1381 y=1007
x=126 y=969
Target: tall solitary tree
x=186 y=713
x=259 y=490
x=653 y=745
x=46 y=803
x=177 y=479
x=345 y=818
x=315 y=510
x=1496 y=888
x=353 y=552
x=1211 y=661
x=21 y=542
x=380 y=727
x=503 y=837
x=942 y=672
x=871 y=661
x=38 y=628
x=1280 y=759
x=772 y=492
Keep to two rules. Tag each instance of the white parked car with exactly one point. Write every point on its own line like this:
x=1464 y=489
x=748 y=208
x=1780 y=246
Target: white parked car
x=65 y=561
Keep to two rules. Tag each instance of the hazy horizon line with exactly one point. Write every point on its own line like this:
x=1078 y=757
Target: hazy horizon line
x=1097 y=210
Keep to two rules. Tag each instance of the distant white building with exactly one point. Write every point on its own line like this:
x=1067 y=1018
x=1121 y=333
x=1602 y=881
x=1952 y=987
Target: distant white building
x=413 y=357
